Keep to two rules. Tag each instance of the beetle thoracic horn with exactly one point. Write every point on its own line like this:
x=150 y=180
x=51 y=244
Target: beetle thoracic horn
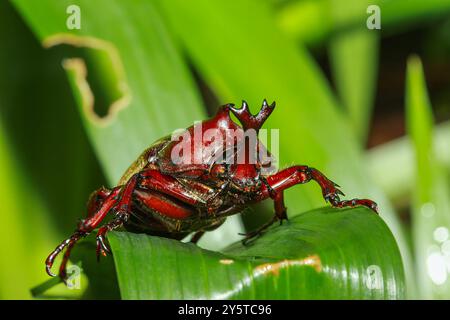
x=250 y=121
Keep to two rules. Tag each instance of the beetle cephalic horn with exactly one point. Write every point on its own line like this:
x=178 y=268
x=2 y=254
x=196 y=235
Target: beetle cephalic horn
x=250 y=121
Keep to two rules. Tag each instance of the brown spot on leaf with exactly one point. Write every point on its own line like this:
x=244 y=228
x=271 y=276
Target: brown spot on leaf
x=274 y=267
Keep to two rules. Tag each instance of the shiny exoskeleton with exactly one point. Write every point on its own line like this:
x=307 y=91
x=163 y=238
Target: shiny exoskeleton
x=162 y=198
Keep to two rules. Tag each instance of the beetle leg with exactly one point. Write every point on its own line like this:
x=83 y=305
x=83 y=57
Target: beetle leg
x=196 y=237
x=155 y=180
x=257 y=232
x=92 y=221
x=66 y=243
x=280 y=208
x=280 y=215
x=301 y=174
x=353 y=203
x=102 y=245
x=96 y=200
x=84 y=228
x=122 y=215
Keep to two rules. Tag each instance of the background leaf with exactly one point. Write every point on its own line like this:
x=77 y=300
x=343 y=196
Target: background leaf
x=149 y=59
x=313 y=256
x=354 y=61
x=311 y=21
x=431 y=205
x=47 y=163
x=398 y=156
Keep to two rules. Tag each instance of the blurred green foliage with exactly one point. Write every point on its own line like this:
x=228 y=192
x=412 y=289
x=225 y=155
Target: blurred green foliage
x=157 y=60
x=430 y=204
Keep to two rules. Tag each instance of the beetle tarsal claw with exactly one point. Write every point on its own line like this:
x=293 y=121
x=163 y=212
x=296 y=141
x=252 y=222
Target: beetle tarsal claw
x=49 y=271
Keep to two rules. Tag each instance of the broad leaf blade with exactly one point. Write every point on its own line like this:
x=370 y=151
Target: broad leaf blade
x=322 y=254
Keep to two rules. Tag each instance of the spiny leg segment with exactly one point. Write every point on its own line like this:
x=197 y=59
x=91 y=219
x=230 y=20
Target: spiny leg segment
x=274 y=186
x=84 y=228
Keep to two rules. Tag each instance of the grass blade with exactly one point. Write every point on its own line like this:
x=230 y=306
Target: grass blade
x=354 y=62
x=311 y=21
x=398 y=155
x=431 y=203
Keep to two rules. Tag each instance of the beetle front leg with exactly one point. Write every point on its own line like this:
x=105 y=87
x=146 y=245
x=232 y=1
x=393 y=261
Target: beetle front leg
x=280 y=215
x=84 y=228
x=68 y=243
x=301 y=174
x=196 y=237
x=122 y=215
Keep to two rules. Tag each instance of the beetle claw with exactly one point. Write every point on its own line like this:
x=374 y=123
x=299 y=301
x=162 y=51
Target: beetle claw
x=335 y=184
x=332 y=198
x=374 y=207
x=248 y=237
x=66 y=244
x=102 y=248
x=48 y=268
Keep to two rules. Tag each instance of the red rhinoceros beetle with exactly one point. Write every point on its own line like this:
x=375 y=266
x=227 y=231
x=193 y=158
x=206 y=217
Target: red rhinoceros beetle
x=162 y=197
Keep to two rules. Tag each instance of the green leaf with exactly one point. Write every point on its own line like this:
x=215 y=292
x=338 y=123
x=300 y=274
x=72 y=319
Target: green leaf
x=431 y=203
x=398 y=156
x=19 y=255
x=354 y=62
x=47 y=167
x=322 y=254
x=311 y=21
x=162 y=93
